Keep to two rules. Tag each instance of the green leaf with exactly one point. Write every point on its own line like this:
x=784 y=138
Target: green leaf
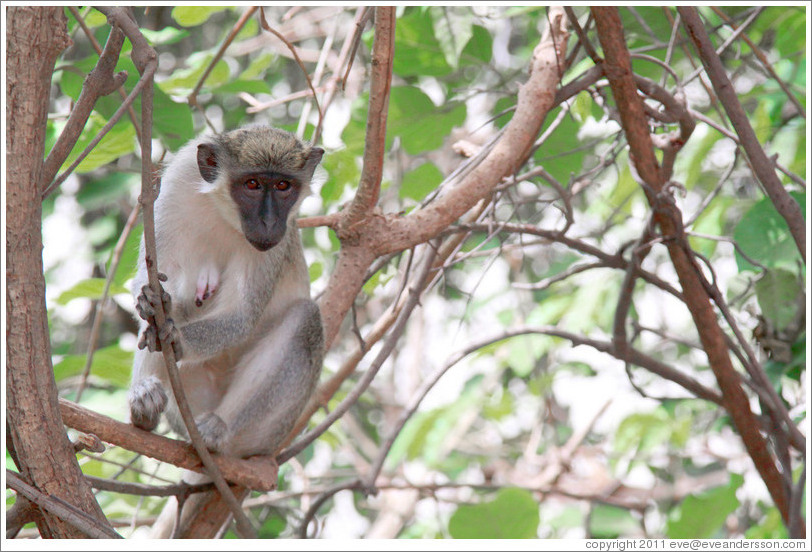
x=772 y=527
x=110 y=363
x=258 y=66
x=315 y=270
x=711 y=222
x=780 y=295
x=172 y=121
x=119 y=141
x=479 y=49
x=642 y=431
x=242 y=85
x=582 y=106
x=418 y=51
x=611 y=522
x=128 y=263
x=191 y=16
x=342 y=168
x=702 y=515
x=91 y=288
x=420 y=124
x=166 y=36
x=513 y=514
x=101 y=192
x=763 y=235
x=452 y=31
x=183 y=81
x=417 y=184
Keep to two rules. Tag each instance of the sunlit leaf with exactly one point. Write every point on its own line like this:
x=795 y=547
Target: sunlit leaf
x=513 y=514
x=701 y=515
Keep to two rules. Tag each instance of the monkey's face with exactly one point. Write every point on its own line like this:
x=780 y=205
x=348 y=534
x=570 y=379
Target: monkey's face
x=264 y=201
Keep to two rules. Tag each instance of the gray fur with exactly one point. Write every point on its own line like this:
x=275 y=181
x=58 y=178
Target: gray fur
x=252 y=350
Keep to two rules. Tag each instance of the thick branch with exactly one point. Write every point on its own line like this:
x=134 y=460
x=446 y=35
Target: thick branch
x=259 y=472
x=379 y=235
x=45 y=457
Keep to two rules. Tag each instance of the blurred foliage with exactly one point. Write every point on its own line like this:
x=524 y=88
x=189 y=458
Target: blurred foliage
x=501 y=415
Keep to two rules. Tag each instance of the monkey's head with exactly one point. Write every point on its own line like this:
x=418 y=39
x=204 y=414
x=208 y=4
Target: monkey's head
x=265 y=172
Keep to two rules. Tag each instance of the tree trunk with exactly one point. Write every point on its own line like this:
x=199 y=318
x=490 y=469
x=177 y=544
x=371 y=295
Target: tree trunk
x=46 y=459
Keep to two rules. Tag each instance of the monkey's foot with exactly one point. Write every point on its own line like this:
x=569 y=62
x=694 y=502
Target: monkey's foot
x=213 y=430
x=207 y=283
x=147 y=401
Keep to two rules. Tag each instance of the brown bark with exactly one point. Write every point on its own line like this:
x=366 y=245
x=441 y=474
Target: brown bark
x=259 y=472
x=36 y=36
x=669 y=218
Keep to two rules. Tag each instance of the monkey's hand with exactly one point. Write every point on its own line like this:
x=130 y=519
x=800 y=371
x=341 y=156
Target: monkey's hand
x=147 y=400
x=152 y=337
x=207 y=283
x=213 y=430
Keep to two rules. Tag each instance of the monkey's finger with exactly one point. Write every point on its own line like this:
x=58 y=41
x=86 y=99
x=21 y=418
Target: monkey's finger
x=162 y=277
x=149 y=339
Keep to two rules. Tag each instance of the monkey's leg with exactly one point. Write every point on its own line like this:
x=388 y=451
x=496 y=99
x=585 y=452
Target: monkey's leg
x=270 y=387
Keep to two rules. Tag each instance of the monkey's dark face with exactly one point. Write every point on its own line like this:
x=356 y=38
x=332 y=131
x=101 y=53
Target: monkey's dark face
x=264 y=201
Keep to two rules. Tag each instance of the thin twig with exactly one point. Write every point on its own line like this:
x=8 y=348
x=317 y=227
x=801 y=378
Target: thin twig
x=122 y=91
x=764 y=62
x=192 y=98
x=98 y=313
x=146 y=62
x=762 y=166
x=292 y=49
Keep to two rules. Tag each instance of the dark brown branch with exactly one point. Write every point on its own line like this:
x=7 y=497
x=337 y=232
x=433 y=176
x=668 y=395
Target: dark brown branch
x=762 y=166
x=141 y=489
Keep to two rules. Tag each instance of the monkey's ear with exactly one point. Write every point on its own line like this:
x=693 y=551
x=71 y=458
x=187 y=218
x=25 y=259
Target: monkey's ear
x=207 y=162
x=313 y=159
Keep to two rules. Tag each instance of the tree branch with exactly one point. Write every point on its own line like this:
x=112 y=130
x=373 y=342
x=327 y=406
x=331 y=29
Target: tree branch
x=259 y=472
x=762 y=166
x=634 y=123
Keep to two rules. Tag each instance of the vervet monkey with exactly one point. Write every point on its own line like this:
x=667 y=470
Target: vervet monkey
x=251 y=337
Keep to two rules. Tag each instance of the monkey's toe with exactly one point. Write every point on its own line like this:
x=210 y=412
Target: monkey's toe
x=213 y=430
x=147 y=402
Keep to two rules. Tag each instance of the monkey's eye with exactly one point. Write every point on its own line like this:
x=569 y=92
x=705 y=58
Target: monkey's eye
x=252 y=184
x=282 y=186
